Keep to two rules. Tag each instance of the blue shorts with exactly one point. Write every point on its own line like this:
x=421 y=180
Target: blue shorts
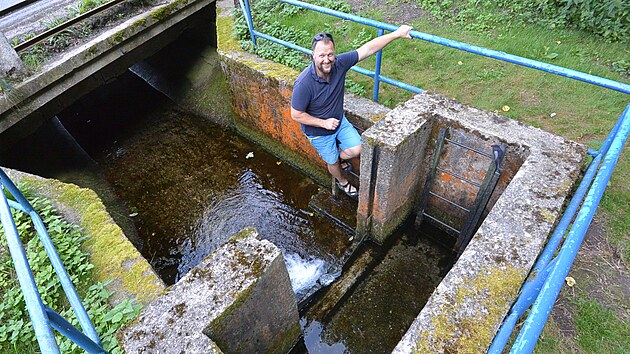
x=326 y=145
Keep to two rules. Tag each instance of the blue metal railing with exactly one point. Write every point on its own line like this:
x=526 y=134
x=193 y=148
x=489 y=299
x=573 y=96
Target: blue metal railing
x=42 y=316
x=547 y=276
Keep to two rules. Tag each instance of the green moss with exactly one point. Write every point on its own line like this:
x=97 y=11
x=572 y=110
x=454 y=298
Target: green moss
x=225 y=41
x=164 y=12
x=219 y=323
x=139 y=23
x=113 y=256
x=243 y=234
x=92 y=50
x=285 y=344
x=117 y=38
x=487 y=296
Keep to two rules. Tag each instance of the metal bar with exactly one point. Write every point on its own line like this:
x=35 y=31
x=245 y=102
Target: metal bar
x=481 y=200
x=64 y=279
x=542 y=307
x=449 y=201
x=53 y=256
x=470 y=148
x=534 y=64
x=517 y=311
x=431 y=177
x=248 y=19
x=458 y=176
x=355 y=68
x=441 y=223
x=523 y=302
x=40 y=37
x=67 y=329
x=16 y=6
x=377 y=70
x=32 y=298
x=376 y=156
x=556 y=237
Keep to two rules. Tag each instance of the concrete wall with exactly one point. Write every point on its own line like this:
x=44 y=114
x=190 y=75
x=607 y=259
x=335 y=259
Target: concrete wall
x=239 y=297
x=466 y=309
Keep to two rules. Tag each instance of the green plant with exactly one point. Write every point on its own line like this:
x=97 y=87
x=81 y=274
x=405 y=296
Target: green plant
x=16 y=332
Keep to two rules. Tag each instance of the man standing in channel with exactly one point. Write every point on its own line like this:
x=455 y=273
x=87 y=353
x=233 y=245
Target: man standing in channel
x=317 y=102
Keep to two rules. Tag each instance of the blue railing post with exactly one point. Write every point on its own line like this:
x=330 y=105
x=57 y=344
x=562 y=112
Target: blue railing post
x=377 y=70
x=90 y=341
x=248 y=19
x=541 y=309
x=32 y=298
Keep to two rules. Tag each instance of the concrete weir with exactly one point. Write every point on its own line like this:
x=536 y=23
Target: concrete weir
x=466 y=309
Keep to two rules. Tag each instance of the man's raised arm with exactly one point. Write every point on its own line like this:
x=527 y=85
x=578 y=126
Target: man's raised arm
x=378 y=43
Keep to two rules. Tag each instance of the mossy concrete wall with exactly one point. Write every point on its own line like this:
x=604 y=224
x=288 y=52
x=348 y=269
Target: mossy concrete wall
x=465 y=311
x=260 y=92
x=113 y=256
x=239 y=297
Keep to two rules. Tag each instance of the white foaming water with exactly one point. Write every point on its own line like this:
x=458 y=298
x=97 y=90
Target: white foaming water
x=303 y=273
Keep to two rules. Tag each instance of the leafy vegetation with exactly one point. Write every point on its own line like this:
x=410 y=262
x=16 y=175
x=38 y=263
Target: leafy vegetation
x=16 y=331
x=608 y=19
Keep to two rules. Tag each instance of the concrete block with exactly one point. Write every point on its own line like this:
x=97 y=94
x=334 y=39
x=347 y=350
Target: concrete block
x=392 y=161
x=239 y=297
x=465 y=311
x=10 y=63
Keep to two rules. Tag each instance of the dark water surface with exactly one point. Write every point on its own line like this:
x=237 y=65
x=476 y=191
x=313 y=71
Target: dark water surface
x=189 y=184
x=180 y=186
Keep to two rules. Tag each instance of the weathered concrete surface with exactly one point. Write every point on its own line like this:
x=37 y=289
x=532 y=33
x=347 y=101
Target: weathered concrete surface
x=10 y=63
x=466 y=309
x=90 y=65
x=240 y=297
x=392 y=153
x=113 y=256
x=261 y=91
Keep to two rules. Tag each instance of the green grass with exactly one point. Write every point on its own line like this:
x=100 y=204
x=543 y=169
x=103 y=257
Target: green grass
x=599 y=330
x=572 y=109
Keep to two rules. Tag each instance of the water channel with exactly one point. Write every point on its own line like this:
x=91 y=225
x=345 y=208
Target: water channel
x=180 y=185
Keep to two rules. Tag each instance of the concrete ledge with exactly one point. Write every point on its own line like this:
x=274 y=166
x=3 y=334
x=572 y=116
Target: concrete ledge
x=466 y=309
x=239 y=297
x=94 y=63
x=113 y=256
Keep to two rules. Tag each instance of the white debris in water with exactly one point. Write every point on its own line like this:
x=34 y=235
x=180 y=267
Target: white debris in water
x=304 y=273
x=249 y=155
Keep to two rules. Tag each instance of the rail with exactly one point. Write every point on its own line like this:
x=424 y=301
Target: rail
x=43 y=317
x=51 y=32
x=547 y=277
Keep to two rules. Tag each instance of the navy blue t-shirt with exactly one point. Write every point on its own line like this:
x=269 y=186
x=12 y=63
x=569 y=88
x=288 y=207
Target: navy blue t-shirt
x=321 y=98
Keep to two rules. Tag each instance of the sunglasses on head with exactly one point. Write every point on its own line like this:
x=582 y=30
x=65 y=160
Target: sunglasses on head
x=322 y=36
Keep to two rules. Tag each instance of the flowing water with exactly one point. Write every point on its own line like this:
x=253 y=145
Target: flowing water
x=180 y=186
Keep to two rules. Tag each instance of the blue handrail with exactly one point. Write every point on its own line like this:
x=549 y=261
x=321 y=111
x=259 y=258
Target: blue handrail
x=41 y=315
x=547 y=276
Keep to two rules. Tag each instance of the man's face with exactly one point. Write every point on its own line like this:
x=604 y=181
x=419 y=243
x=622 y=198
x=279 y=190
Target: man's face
x=324 y=57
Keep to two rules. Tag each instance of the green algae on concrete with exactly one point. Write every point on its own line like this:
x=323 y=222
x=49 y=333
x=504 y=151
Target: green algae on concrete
x=454 y=331
x=164 y=12
x=111 y=253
